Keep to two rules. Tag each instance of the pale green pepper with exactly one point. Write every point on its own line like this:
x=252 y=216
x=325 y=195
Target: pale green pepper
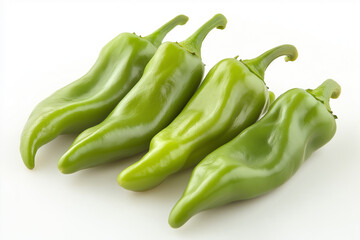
x=232 y=97
x=89 y=100
x=263 y=156
x=169 y=80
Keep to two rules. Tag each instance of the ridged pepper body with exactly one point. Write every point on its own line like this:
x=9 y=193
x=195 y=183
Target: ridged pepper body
x=261 y=158
x=169 y=80
x=230 y=99
x=89 y=100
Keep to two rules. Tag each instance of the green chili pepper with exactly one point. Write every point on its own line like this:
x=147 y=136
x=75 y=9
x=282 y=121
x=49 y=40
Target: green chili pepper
x=263 y=156
x=168 y=82
x=89 y=100
x=232 y=97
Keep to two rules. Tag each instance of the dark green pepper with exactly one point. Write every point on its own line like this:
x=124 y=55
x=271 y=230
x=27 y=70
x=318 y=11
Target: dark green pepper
x=232 y=97
x=263 y=156
x=89 y=100
x=168 y=82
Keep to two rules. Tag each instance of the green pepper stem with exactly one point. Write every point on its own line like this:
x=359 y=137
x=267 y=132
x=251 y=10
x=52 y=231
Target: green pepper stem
x=194 y=42
x=157 y=37
x=328 y=89
x=258 y=65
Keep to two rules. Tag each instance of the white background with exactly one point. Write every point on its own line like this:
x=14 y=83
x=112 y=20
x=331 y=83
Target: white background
x=48 y=44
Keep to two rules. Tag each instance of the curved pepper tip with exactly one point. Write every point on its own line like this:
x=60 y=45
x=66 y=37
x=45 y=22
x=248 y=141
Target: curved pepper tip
x=27 y=154
x=62 y=169
x=64 y=165
x=178 y=215
x=29 y=162
x=173 y=223
x=121 y=180
x=65 y=170
x=150 y=171
x=129 y=181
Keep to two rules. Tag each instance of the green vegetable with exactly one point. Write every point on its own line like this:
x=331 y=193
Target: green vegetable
x=168 y=82
x=232 y=97
x=263 y=156
x=89 y=100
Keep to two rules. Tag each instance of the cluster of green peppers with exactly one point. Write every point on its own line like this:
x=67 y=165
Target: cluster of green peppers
x=143 y=94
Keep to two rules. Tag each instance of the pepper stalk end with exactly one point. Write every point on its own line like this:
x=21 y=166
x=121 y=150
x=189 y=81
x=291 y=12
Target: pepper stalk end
x=328 y=89
x=194 y=42
x=157 y=37
x=259 y=64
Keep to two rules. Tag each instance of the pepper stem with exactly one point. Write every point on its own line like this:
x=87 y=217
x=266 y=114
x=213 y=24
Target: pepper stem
x=193 y=43
x=328 y=89
x=157 y=37
x=258 y=65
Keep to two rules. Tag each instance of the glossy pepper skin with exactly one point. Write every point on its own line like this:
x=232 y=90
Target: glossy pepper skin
x=168 y=82
x=89 y=100
x=263 y=156
x=232 y=97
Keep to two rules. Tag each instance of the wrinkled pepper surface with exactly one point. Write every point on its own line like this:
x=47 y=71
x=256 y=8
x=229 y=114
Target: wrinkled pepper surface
x=232 y=97
x=169 y=80
x=263 y=156
x=90 y=99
